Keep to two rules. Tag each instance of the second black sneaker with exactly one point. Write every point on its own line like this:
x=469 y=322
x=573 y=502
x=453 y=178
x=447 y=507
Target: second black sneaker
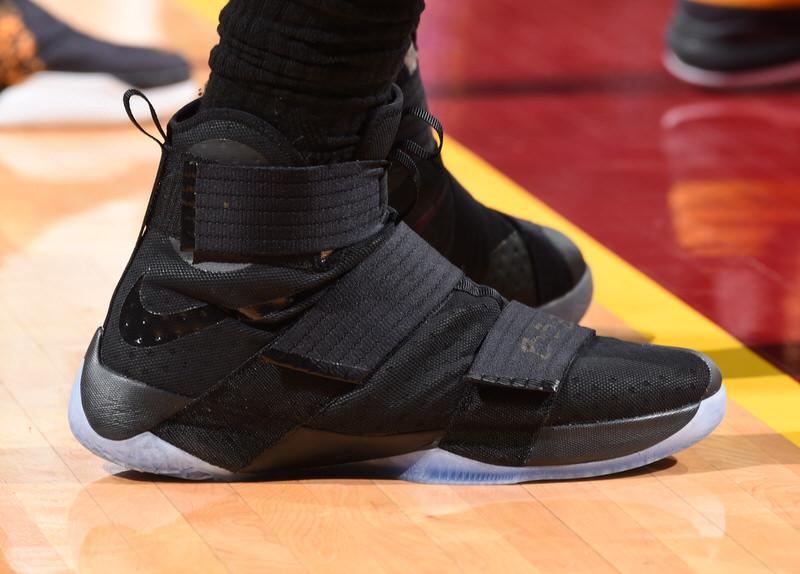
x=533 y=264
x=51 y=74
x=719 y=46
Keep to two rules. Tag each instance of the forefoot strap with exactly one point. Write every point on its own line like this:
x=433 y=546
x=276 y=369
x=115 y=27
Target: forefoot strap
x=516 y=376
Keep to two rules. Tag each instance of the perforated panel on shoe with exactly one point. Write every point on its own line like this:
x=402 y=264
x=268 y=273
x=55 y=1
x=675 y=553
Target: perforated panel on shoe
x=510 y=270
x=613 y=379
x=557 y=263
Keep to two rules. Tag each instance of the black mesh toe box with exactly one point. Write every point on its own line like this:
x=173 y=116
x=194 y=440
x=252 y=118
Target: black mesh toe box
x=620 y=398
x=613 y=379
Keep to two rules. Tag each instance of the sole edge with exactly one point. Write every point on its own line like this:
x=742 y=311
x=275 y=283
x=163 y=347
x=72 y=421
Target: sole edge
x=150 y=454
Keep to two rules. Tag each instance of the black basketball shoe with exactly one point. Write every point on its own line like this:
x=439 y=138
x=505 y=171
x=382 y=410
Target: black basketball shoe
x=718 y=46
x=276 y=318
x=536 y=265
x=52 y=74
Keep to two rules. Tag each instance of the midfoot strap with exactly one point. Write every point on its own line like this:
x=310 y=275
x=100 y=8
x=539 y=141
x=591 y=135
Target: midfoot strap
x=516 y=376
x=527 y=349
x=369 y=311
x=253 y=212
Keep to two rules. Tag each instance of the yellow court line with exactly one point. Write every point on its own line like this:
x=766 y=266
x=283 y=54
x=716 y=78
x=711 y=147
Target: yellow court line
x=206 y=9
x=758 y=386
x=754 y=383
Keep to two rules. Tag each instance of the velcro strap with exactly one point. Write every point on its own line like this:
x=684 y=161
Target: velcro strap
x=257 y=211
x=527 y=349
x=499 y=418
x=369 y=311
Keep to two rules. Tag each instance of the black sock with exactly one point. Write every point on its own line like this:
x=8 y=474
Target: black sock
x=313 y=69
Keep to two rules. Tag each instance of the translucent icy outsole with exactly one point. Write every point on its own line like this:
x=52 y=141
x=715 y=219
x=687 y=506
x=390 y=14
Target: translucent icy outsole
x=437 y=466
x=148 y=453
x=145 y=452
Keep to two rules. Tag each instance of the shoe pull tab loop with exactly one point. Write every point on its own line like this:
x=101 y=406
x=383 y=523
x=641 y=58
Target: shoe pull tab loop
x=126 y=99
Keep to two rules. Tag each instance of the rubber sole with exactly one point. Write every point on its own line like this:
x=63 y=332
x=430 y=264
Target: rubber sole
x=763 y=77
x=144 y=452
x=148 y=453
x=67 y=99
x=572 y=306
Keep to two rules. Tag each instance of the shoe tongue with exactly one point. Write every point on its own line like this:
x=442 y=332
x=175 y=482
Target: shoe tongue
x=232 y=137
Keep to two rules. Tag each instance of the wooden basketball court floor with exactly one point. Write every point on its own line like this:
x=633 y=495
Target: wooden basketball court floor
x=686 y=204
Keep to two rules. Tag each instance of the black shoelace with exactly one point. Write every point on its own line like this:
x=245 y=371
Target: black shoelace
x=403 y=150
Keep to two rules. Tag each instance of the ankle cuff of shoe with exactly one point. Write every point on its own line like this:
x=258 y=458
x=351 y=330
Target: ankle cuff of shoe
x=257 y=212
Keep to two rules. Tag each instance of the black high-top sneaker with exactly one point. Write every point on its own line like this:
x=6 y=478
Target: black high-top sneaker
x=53 y=74
x=718 y=46
x=275 y=319
x=529 y=263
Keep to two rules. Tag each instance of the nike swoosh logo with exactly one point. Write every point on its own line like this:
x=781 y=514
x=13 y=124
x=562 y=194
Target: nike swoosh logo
x=143 y=328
